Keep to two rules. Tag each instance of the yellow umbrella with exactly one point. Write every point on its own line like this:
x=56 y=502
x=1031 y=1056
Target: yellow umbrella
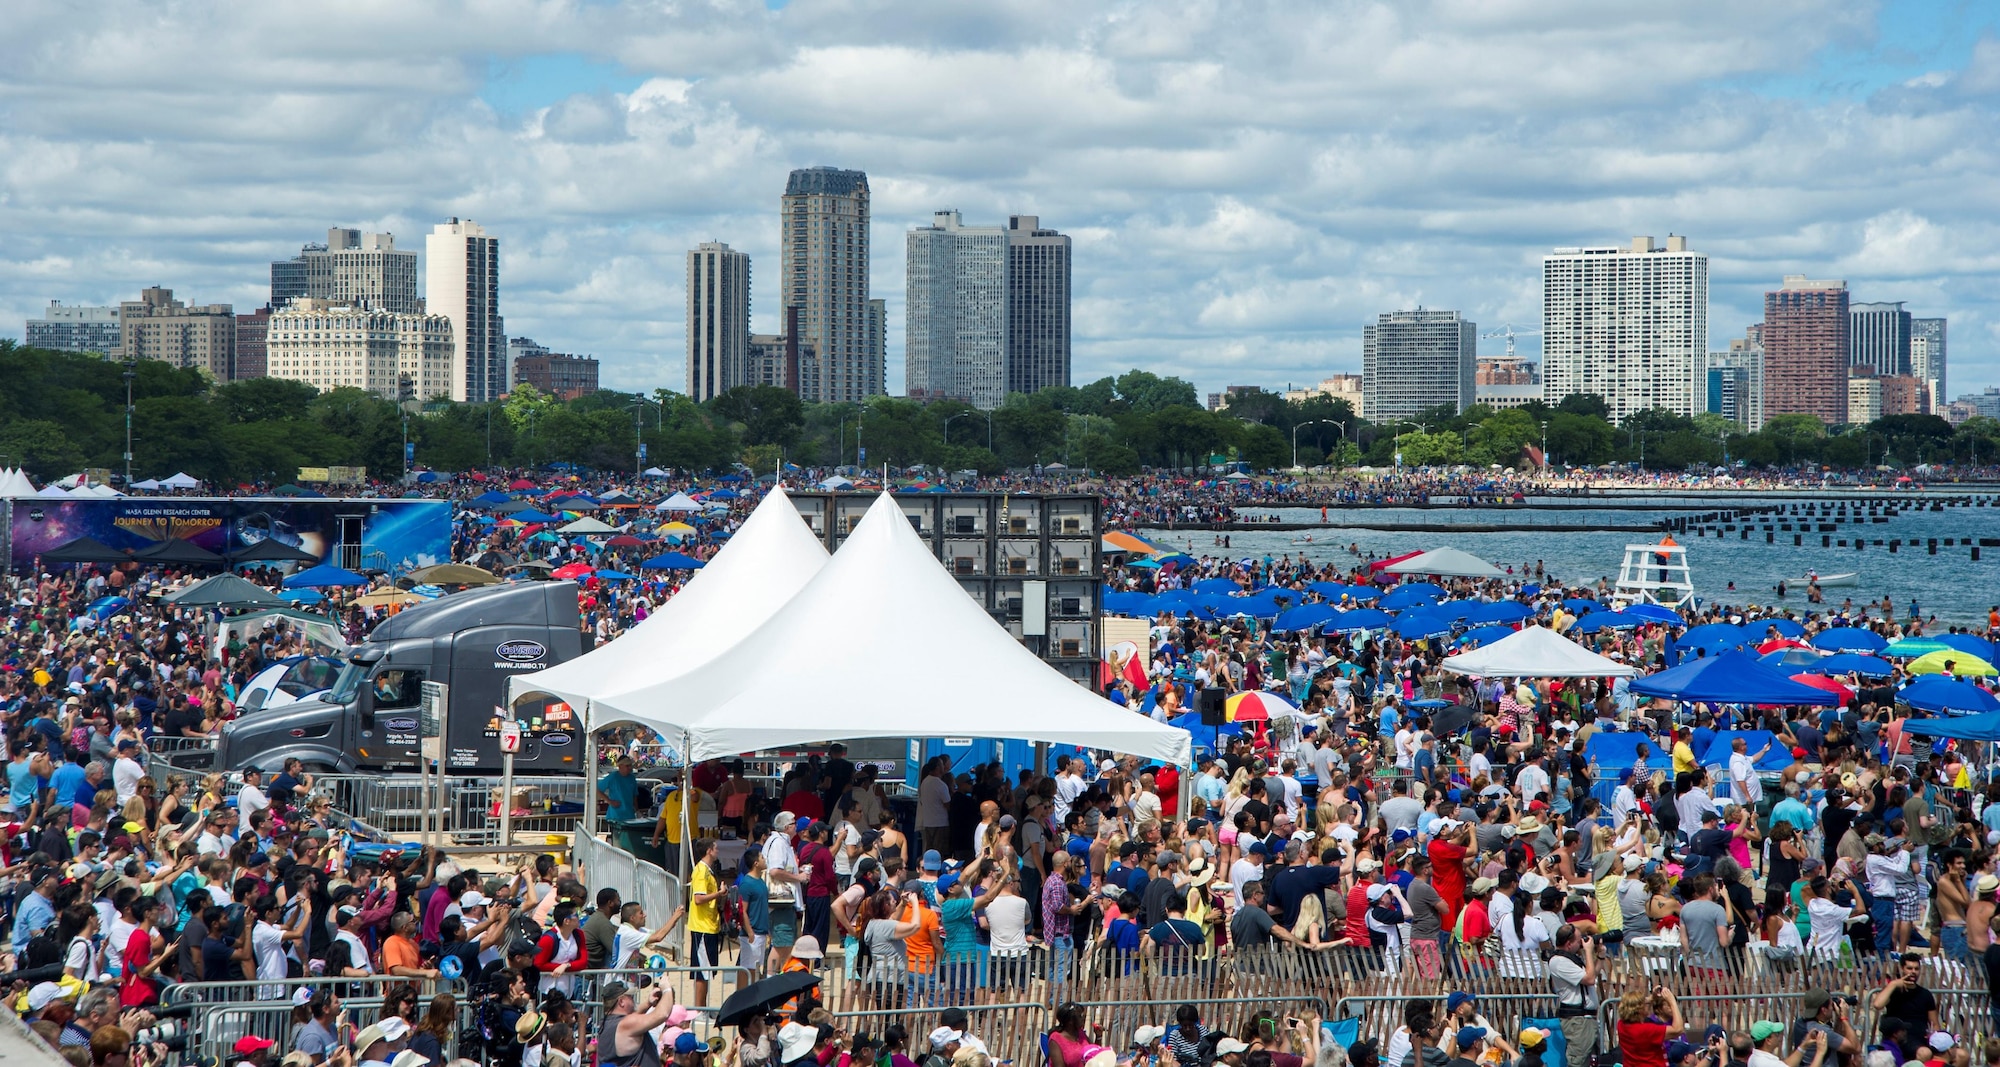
x=1963 y=664
x=677 y=528
x=386 y=598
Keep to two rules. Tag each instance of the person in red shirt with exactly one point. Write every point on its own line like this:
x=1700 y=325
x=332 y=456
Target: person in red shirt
x=803 y=801
x=1357 y=900
x=1448 y=851
x=1642 y=1038
x=1474 y=925
x=137 y=988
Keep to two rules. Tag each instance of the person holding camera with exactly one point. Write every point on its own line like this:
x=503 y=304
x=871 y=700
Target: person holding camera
x=1827 y=1014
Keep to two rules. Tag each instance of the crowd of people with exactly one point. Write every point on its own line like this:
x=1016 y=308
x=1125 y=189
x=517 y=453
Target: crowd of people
x=1368 y=826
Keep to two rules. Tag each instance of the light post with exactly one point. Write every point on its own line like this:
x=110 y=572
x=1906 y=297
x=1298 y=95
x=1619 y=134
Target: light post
x=1545 y=446
x=131 y=372
x=1314 y=422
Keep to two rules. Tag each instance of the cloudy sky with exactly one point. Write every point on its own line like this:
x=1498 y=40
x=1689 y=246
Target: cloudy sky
x=1246 y=183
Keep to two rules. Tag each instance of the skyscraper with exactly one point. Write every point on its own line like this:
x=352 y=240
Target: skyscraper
x=352 y=267
x=1038 y=312
x=1629 y=324
x=1806 y=349
x=718 y=319
x=463 y=285
x=1879 y=338
x=1412 y=361
x=955 y=333
x=74 y=328
x=1927 y=358
x=823 y=271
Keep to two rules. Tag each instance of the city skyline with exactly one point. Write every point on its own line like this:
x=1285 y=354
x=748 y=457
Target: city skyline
x=1236 y=229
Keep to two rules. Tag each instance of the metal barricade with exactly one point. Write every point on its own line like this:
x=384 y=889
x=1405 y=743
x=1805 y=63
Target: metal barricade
x=1010 y=1031
x=603 y=864
x=226 y=1011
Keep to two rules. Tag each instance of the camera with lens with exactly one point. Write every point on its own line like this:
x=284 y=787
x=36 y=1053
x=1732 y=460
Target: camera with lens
x=170 y=1028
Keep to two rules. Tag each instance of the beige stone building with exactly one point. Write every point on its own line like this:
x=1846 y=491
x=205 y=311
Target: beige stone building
x=201 y=336
x=329 y=345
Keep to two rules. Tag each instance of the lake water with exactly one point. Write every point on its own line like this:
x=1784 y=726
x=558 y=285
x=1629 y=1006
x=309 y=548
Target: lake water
x=1948 y=585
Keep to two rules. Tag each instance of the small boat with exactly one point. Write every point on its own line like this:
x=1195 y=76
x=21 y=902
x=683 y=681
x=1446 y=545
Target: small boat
x=1826 y=581
x=1306 y=540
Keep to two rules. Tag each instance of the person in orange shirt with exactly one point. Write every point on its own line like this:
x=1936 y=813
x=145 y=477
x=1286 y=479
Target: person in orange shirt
x=399 y=951
x=922 y=949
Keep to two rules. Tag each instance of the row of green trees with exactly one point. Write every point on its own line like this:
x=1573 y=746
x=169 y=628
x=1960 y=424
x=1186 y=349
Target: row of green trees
x=61 y=412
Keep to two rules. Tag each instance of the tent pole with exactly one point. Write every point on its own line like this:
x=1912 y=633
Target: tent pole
x=589 y=826
x=687 y=853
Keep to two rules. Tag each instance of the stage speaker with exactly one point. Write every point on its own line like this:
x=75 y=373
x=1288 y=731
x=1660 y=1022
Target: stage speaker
x=1209 y=703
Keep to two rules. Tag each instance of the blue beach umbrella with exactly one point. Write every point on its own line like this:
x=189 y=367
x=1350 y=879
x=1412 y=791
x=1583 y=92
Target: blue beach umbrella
x=1500 y=611
x=1409 y=596
x=672 y=561
x=1853 y=663
x=1848 y=639
x=1217 y=585
x=1305 y=617
x=1486 y=635
x=1358 y=619
x=324 y=576
x=1969 y=644
x=1935 y=692
x=1579 y=605
x=1655 y=613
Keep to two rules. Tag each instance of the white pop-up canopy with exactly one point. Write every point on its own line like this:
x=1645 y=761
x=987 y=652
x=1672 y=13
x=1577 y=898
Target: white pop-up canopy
x=14 y=482
x=1448 y=563
x=678 y=502
x=180 y=480
x=771 y=557
x=882 y=643
x=587 y=525
x=1536 y=652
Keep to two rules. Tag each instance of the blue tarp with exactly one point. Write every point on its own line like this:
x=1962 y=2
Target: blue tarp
x=1718 y=752
x=1730 y=678
x=1614 y=751
x=1499 y=611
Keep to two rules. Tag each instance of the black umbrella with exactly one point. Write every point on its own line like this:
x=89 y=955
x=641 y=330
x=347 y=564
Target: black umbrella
x=85 y=550
x=759 y=997
x=270 y=550
x=1450 y=720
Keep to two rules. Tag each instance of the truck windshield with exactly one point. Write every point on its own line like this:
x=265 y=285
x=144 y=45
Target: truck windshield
x=349 y=682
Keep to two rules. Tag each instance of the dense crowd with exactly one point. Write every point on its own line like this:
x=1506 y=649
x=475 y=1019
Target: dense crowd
x=1441 y=825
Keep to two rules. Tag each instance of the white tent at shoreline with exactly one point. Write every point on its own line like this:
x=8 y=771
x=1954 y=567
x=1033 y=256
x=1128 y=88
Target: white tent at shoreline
x=1536 y=652
x=1447 y=563
x=881 y=643
x=771 y=557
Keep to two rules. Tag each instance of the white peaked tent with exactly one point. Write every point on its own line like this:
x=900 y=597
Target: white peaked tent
x=147 y=484
x=771 y=557
x=678 y=502
x=1536 y=652
x=882 y=643
x=1447 y=563
x=14 y=482
x=180 y=480
x=52 y=490
x=587 y=525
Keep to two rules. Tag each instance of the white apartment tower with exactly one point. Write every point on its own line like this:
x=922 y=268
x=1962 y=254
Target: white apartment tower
x=823 y=271
x=352 y=267
x=463 y=285
x=1412 y=361
x=955 y=327
x=718 y=319
x=1627 y=323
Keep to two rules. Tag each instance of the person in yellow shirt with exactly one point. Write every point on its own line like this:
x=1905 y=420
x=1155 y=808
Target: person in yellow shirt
x=1684 y=760
x=704 y=918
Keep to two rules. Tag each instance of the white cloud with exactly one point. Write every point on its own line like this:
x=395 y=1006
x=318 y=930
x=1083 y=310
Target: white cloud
x=1246 y=183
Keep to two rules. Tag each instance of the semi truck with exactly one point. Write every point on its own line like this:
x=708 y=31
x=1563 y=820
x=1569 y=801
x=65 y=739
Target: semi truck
x=372 y=718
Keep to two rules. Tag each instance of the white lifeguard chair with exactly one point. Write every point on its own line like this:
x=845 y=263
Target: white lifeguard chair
x=1656 y=574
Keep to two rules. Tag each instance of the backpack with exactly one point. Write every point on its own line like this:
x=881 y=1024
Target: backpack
x=1944 y=823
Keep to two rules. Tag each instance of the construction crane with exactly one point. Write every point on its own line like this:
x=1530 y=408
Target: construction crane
x=1509 y=332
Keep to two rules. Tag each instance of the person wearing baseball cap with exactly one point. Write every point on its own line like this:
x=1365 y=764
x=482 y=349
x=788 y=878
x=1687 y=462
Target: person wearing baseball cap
x=252 y=1051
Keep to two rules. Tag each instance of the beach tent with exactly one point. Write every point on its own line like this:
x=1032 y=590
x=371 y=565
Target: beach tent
x=923 y=660
x=1536 y=652
x=1936 y=692
x=14 y=482
x=1719 y=752
x=52 y=491
x=177 y=553
x=1982 y=727
x=84 y=550
x=678 y=502
x=1446 y=562
x=224 y=590
x=324 y=576
x=657 y=472
x=1730 y=678
x=180 y=480
x=771 y=558
x=587 y=526
x=269 y=550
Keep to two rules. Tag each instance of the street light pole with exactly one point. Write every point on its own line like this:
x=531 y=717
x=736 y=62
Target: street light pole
x=131 y=372
x=1314 y=422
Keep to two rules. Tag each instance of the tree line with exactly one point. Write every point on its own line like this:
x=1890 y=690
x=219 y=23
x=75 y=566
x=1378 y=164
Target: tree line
x=62 y=412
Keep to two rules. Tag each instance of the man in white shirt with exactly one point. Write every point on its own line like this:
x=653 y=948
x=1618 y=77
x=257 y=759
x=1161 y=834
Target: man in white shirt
x=1743 y=772
x=251 y=799
x=216 y=840
x=1247 y=868
x=1532 y=780
x=1069 y=786
x=934 y=808
x=1406 y=747
x=127 y=771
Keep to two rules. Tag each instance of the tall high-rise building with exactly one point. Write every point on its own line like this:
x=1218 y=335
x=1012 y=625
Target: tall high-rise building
x=463 y=285
x=875 y=336
x=955 y=332
x=1038 y=305
x=1806 y=350
x=74 y=328
x=334 y=345
x=1878 y=338
x=1927 y=358
x=1735 y=387
x=718 y=319
x=1626 y=323
x=198 y=336
x=252 y=349
x=823 y=271
x=352 y=267
x=1412 y=361
x=987 y=312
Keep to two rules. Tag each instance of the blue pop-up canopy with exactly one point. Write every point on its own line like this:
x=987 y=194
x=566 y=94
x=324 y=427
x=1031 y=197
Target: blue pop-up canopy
x=1613 y=751
x=1719 y=751
x=1936 y=692
x=1982 y=727
x=1730 y=678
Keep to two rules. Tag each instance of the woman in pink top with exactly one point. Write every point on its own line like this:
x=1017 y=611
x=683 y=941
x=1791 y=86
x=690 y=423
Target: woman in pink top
x=1072 y=1043
x=1743 y=830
